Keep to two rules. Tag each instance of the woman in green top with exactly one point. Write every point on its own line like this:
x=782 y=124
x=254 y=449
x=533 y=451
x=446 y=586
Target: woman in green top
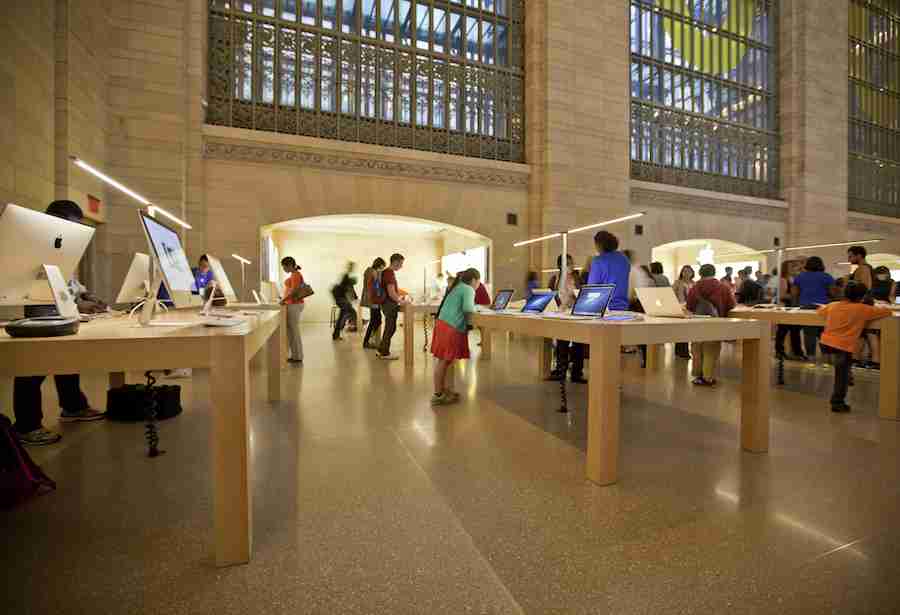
x=451 y=340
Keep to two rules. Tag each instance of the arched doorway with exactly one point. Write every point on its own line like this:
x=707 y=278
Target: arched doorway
x=324 y=245
x=696 y=252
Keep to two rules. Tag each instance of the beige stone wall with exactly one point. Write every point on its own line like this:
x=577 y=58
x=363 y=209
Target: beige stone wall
x=813 y=114
x=578 y=99
x=241 y=196
x=26 y=102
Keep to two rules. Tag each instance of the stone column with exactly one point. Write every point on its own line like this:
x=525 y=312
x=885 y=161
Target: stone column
x=577 y=107
x=814 y=109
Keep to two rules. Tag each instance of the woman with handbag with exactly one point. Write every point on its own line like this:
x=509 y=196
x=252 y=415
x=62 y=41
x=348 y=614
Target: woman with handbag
x=295 y=291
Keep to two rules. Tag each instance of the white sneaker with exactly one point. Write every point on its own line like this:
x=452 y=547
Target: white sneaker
x=388 y=357
x=39 y=437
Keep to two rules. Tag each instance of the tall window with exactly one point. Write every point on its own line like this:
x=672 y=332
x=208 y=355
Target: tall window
x=703 y=94
x=874 y=147
x=436 y=75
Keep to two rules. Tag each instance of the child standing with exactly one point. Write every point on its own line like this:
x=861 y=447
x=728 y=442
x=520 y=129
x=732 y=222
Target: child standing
x=844 y=324
x=451 y=340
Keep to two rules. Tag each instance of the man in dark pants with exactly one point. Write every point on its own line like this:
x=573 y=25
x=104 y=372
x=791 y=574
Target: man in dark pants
x=390 y=306
x=341 y=293
x=27 y=389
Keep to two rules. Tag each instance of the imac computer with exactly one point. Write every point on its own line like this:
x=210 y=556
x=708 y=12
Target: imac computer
x=136 y=286
x=222 y=281
x=29 y=240
x=171 y=264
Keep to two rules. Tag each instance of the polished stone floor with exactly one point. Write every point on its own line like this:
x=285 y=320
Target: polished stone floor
x=366 y=500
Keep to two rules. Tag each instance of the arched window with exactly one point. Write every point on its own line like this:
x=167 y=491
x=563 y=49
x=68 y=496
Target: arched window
x=437 y=75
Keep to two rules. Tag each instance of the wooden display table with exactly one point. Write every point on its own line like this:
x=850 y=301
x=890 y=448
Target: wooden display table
x=889 y=389
x=118 y=345
x=606 y=338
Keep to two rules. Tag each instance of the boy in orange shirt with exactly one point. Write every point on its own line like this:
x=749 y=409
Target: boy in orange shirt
x=844 y=324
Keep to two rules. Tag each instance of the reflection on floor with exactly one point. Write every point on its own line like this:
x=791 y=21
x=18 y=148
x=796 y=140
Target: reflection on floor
x=368 y=501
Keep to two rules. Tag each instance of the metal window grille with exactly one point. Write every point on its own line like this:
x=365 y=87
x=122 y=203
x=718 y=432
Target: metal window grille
x=874 y=95
x=436 y=75
x=704 y=82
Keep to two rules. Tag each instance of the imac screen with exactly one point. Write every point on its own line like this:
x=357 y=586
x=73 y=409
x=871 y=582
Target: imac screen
x=170 y=255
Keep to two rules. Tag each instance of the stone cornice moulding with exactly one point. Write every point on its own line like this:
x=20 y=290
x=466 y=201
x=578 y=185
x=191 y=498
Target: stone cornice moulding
x=237 y=150
x=870 y=223
x=649 y=194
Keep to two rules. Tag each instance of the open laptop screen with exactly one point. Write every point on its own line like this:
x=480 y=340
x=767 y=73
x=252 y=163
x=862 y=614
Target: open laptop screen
x=593 y=300
x=538 y=303
x=502 y=299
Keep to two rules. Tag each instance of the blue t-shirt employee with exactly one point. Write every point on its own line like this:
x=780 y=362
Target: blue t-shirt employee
x=610 y=267
x=203 y=275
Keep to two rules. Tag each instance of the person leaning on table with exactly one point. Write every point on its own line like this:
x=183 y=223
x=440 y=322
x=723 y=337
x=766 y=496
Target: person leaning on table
x=27 y=400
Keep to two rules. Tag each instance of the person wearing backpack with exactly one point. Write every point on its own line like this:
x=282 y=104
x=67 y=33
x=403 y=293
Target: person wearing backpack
x=372 y=292
x=342 y=291
x=390 y=300
x=708 y=297
x=450 y=340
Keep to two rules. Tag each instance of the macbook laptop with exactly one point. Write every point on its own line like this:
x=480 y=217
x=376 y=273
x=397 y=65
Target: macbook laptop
x=538 y=303
x=502 y=299
x=592 y=301
x=661 y=302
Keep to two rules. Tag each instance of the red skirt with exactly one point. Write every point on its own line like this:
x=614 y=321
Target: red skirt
x=448 y=342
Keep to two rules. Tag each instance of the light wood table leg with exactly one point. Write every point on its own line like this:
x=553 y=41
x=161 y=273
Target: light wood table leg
x=755 y=391
x=655 y=356
x=275 y=362
x=116 y=379
x=409 y=335
x=889 y=390
x=545 y=358
x=229 y=384
x=603 y=406
x=487 y=343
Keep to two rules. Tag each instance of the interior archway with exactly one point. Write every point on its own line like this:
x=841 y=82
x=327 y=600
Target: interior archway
x=324 y=245
x=696 y=252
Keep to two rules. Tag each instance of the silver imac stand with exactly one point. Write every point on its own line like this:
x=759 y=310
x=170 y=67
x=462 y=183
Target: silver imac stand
x=149 y=304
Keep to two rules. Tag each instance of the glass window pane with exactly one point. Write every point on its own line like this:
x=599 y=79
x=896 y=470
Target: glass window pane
x=287 y=67
x=267 y=7
x=439 y=93
x=440 y=29
x=457 y=34
x=309 y=53
x=487 y=5
x=289 y=10
x=349 y=63
x=423 y=25
x=348 y=16
x=387 y=85
x=487 y=42
x=328 y=74
x=500 y=6
x=455 y=107
x=422 y=90
x=502 y=44
x=472 y=38
x=404 y=12
x=243 y=60
x=368 y=78
x=329 y=14
x=388 y=21
x=404 y=112
x=368 y=18
x=309 y=12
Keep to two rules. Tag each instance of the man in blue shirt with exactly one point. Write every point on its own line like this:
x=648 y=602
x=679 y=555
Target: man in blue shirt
x=610 y=267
